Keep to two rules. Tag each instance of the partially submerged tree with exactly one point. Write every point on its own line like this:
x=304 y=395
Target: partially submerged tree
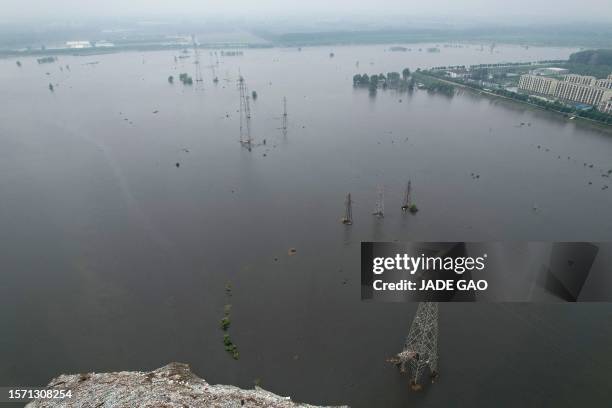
x=405 y=73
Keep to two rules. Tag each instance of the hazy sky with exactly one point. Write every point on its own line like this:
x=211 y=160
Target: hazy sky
x=548 y=9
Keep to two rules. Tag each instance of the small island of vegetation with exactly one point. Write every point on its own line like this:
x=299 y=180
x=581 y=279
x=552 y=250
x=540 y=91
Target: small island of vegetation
x=404 y=82
x=185 y=79
x=392 y=80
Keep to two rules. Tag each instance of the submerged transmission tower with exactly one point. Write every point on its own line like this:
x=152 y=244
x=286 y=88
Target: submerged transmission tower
x=245 y=114
x=407 y=198
x=421 y=349
x=379 y=210
x=196 y=53
x=284 y=119
x=348 y=211
x=212 y=68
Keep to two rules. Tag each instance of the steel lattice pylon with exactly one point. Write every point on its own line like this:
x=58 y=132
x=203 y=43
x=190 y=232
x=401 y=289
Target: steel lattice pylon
x=348 y=211
x=196 y=52
x=284 y=124
x=407 y=200
x=379 y=209
x=245 y=114
x=421 y=348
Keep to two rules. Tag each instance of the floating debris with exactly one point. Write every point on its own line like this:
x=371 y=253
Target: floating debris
x=225 y=324
x=230 y=347
x=178 y=164
x=292 y=251
x=155 y=111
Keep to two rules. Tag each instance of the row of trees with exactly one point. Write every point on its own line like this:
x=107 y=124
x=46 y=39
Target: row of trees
x=432 y=84
x=392 y=80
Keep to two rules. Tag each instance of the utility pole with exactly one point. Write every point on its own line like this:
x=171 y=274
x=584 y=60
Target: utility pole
x=348 y=211
x=421 y=349
x=379 y=210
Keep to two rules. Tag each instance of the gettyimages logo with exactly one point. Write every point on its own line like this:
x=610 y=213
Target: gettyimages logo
x=422 y=265
x=486 y=271
x=413 y=264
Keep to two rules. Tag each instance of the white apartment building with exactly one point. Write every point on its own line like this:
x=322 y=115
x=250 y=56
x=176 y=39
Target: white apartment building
x=538 y=84
x=590 y=95
x=604 y=83
x=78 y=44
x=575 y=88
x=580 y=79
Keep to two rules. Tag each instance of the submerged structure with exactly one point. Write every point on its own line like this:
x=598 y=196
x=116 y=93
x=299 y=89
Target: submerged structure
x=379 y=209
x=198 y=69
x=348 y=211
x=284 y=117
x=420 y=352
x=245 y=114
x=407 y=199
x=408 y=204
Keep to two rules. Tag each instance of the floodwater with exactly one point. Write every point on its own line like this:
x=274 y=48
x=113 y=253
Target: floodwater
x=114 y=258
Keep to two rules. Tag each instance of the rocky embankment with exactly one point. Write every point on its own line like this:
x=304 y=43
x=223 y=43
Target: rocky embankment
x=173 y=385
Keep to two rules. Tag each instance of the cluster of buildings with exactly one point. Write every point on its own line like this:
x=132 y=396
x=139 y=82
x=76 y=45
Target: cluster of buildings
x=580 y=89
x=87 y=44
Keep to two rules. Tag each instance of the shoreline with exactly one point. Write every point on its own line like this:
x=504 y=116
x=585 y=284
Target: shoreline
x=12 y=53
x=576 y=118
